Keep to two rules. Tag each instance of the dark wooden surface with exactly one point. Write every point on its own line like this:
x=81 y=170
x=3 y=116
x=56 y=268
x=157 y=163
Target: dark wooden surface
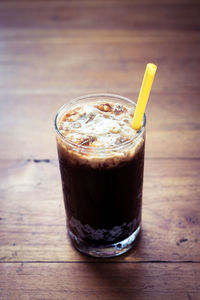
x=52 y=51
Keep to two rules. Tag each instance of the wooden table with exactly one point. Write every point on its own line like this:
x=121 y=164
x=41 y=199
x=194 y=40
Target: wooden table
x=52 y=51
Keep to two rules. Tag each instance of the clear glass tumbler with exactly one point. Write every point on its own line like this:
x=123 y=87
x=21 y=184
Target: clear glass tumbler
x=102 y=188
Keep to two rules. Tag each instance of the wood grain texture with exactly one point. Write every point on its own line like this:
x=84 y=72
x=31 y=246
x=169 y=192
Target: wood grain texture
x=64 y=61
x=101 y=14
x=94 y=45
x=35 y=230
x=52 y=51
x=100 y=281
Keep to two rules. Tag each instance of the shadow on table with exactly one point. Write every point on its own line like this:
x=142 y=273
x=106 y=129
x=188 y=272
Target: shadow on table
x=117 y=278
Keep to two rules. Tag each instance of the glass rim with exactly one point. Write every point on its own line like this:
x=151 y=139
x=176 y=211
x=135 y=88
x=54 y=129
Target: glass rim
x=114 y=147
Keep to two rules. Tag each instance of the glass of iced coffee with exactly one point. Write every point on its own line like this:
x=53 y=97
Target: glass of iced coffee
x=101 y=161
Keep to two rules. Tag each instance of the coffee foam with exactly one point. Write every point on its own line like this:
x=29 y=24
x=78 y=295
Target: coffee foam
x=98 y=134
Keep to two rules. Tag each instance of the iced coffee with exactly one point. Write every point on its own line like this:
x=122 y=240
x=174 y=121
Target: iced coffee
x=101 y=163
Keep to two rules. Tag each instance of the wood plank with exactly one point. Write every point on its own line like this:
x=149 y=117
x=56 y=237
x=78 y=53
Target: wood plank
x=32 y=224
x=100 y=281
x=90 y=36
x=116 y=47
x=172 y=126
x=75 y=65
x=80 y=67
x=97 y=2
x=92 y=14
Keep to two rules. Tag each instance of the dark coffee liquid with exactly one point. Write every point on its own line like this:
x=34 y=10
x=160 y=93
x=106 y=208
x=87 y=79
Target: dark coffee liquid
x=103 y=205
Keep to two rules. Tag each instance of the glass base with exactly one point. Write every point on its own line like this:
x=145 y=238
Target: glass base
x=105 y=250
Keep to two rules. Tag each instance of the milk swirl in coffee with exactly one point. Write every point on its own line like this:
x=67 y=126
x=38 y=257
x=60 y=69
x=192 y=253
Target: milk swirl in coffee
x=100 y=125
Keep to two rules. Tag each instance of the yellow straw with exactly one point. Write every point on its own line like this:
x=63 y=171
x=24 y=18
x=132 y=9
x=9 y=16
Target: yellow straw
x=143 y=96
